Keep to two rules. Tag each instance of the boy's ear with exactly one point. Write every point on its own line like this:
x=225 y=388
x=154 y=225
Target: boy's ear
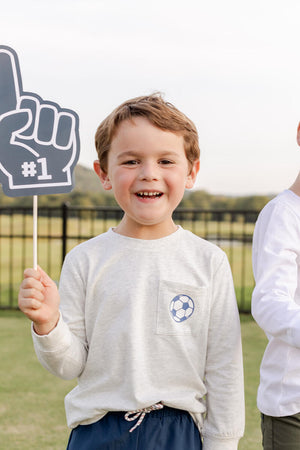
x=298 y=134
x=103 y=176
x=191 y=178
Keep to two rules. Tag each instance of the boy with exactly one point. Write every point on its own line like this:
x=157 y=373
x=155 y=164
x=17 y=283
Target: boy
x=276 y=308
x=149 y=322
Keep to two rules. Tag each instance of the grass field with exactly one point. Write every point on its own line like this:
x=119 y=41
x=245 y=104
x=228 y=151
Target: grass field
x=31 y=400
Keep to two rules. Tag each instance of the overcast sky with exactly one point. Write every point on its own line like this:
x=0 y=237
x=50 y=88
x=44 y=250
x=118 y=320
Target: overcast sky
x=232 y=66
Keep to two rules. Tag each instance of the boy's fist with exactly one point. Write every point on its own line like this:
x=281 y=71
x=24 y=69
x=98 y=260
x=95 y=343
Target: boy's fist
x=39 y=300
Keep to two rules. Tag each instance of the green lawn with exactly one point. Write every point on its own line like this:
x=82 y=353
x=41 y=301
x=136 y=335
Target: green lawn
x=254 y=343
x=31 y=400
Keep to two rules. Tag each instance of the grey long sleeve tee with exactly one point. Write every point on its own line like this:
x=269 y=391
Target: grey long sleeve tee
x=147 y=321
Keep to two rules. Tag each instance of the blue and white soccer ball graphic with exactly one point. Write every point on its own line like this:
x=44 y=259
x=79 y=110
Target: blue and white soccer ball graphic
x=181 y=308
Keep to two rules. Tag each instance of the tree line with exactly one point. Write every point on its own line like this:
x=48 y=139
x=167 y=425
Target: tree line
x=89 y=192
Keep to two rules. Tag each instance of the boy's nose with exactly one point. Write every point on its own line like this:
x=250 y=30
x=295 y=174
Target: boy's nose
x=148 y=172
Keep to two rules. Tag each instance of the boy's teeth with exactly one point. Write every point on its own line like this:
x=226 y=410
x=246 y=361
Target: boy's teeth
x=149 y=194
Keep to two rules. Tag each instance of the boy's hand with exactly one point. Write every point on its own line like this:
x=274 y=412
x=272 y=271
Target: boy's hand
x=39 y=300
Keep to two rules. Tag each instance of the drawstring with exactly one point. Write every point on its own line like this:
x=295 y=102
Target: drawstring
x=141 y=414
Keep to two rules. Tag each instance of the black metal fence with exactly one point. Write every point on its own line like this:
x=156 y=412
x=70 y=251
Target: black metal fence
x=61 y=228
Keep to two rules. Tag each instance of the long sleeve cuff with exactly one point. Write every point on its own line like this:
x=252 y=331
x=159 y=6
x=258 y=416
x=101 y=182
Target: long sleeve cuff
x=58 y=338
x=209 y=443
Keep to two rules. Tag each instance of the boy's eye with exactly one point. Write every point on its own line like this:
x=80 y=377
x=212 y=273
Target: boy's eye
x=165 y=161
x=131 y=162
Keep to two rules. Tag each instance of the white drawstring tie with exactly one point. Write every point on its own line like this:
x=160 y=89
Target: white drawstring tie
x=141 y=414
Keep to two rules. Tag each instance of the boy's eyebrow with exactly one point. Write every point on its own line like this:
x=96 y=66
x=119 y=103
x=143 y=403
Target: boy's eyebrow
x=132 y=153
x=126 y=154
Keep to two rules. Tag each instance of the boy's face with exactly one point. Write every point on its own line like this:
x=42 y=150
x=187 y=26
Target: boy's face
x=148 y=172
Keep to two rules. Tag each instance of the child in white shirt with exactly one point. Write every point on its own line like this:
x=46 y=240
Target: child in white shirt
x=276 y=308
x=148 y=320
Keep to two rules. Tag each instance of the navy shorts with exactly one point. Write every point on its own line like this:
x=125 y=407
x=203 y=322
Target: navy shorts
x=165 y=429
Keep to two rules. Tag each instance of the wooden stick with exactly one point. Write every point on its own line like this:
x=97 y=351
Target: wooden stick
x=35 y=232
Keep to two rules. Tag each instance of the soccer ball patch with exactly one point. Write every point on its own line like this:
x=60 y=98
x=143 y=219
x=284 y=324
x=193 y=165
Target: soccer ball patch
x=181 y=308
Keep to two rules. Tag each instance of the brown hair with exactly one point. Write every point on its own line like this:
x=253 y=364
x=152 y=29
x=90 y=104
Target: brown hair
x=160 y=113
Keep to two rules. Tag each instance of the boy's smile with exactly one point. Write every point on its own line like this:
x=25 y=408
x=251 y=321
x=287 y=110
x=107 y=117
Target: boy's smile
x=148 y=172
x=149 y=195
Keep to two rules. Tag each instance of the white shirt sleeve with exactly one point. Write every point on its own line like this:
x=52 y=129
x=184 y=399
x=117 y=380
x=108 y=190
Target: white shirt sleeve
x=276 y=253
x=63 y=351
x=224 y=422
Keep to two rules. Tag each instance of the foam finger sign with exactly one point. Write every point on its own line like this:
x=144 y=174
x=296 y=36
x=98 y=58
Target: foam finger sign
x=39 y=140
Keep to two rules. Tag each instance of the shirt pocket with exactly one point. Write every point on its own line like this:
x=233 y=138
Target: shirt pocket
x=181 y=309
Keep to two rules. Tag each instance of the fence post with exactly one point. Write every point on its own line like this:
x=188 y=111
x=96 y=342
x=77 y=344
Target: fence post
x=64 y=235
